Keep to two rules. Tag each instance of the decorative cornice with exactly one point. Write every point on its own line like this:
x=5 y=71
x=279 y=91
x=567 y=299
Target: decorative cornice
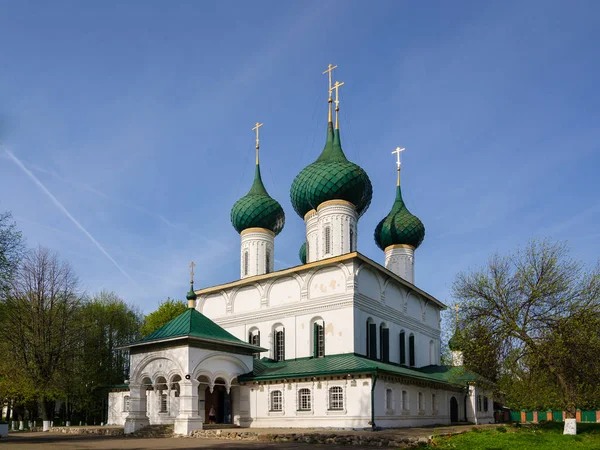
x=335 y=202
x=257 y=230
x=309 y=214
x=354 y=256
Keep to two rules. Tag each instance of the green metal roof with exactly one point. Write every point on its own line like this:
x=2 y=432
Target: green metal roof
x=399 y=226
x=331 y=177
x=257 y=209
x=194 y=324
x=347 y=363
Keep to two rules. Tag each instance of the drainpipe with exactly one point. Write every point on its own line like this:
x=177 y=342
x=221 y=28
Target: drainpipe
x=373 y=400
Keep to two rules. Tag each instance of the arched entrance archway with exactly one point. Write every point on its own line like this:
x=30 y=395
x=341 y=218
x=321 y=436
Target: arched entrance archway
x=220 y=400
x=453 y=409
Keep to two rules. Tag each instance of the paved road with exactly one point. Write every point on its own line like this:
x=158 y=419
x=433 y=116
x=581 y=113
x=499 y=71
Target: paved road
x=35 y=441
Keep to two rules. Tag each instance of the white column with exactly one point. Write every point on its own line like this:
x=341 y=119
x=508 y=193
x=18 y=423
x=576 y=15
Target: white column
x=257 y=252
x=311 y=219
x=336 y=230
x=188 y=419
x=400 y=259
x=137 y=417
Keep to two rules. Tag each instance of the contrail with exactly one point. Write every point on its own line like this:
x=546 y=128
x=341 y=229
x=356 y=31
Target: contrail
x=60 y=206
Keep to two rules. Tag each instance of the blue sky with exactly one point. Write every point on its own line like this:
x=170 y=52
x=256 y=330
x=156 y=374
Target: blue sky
x=136 y=118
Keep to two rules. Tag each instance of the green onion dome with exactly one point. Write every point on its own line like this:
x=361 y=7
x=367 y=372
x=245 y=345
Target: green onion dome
x=257 y=209
x=302 y=253
x=454 y=344
x=331 y=177
x=191 y=295
x=399 y=227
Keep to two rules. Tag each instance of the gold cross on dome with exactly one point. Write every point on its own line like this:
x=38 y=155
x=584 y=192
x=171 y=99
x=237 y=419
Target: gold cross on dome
x=192 y=265
x=397 y=153
x=329 y=71
x=336 y=86
x=256 y=127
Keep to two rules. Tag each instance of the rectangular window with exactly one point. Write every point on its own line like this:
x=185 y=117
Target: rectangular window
x=411 y=350
x=479 y=403
x=402 y=347
x=254 y=339
x=280 y=345
x=351 y=239
x=420 y=404
x=268 y=262
x=276 y=401
x=327 y=240
x=384 y=338
x=434 y=405
x=246 y=263
x=485 y=404
x=405 y=404
x=126 y=404
x=336 y=398
x=389 y=399
x=163 y=403
x=318 y=340
x=304 y=400
x=371 y=340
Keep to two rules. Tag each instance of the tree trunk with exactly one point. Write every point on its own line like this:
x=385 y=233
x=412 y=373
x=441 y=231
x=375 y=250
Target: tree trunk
x=47 y=413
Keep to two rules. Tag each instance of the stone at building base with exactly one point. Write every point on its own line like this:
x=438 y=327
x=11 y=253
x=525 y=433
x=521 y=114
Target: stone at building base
x=186 y=425
x=133 y=424
x=570 y=426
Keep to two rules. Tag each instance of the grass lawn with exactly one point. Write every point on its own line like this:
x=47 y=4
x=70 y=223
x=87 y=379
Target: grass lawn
x=547 y=436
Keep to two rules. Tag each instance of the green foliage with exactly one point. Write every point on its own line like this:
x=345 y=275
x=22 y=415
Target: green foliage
x=167 y=311
x=531 y=321
x=12 y=247
x=542 y=437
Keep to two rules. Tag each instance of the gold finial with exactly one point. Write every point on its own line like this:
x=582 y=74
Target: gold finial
x=398 y=161
x=336 y=86
x=192 y=265
x=329 y=71
x=256 y=127
x=456 y=307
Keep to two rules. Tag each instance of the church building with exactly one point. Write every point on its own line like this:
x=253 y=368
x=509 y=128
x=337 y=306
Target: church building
x=338 y=341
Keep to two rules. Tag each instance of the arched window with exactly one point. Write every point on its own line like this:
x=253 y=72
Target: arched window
x=276 y=401
x=246 y=262
x=351 y=239
x=384 y=343
x=411 y=350
x=126 y=404
x=254 y=339
x=371 y=339
x=336 y=398
x=327 y=240
x=432 y=360
x=420 y=404
x=279 y=344
x=307 y=253
x=402 y=347
x=268 y=262
x=304 y=400
x=175 y=385
x=405 y=401
x=318 y=338
x=389 y=399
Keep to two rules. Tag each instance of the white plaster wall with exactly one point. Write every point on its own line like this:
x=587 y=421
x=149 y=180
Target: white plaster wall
x=214 y=305
x=257 y=244
x=326 y=282
x=284 y=291
x=246 y=299
x=116 y=412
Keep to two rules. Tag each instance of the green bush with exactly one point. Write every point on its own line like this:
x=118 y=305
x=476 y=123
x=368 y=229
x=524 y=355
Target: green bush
x=501 y=430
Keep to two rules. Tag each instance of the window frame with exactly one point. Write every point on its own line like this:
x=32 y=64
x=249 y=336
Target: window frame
x=336 y=398
x=304 y=400
x=273 y=402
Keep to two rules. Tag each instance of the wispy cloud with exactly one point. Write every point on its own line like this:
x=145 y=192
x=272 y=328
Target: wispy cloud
x=64 y=210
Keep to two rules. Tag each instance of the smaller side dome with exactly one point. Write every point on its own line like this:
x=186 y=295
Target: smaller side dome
x=399 y=227
x=302 y=253
x=257 y=209
x=191 y=295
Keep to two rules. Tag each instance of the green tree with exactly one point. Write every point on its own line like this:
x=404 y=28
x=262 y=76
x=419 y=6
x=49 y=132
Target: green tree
x=537 y=309
x=41 y=323
x=12 y=247
x=109 y=323
x=167 y=310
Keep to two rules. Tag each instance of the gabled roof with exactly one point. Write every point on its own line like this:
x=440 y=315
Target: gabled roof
x=194 y=325
x=342 y=364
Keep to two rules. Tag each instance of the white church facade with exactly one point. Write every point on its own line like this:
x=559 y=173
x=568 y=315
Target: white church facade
x=338 y=341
